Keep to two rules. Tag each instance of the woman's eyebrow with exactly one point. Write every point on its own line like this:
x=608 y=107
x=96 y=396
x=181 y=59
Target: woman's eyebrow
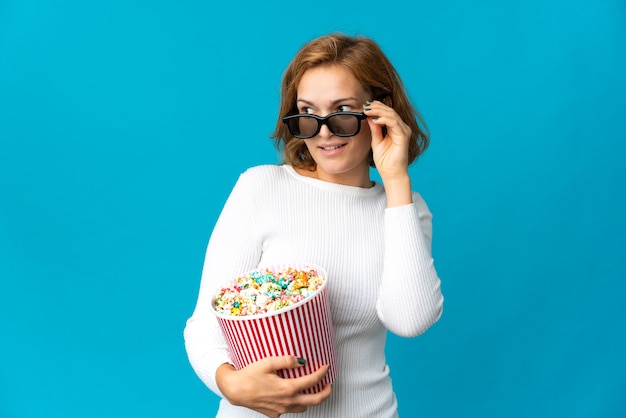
x=334 y=102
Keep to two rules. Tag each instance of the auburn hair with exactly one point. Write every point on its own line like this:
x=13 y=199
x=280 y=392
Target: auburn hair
x=367 y=62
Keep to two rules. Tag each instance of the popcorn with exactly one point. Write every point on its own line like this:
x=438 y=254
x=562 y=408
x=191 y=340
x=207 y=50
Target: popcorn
x=263 y=291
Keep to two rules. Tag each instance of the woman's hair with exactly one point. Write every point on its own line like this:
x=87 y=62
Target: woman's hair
x=367 y=62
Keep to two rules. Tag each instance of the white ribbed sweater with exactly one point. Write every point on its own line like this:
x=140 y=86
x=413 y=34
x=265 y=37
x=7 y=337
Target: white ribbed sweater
x=379 y=260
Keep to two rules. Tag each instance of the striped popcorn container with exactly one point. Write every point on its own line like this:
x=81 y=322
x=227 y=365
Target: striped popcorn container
x=303 y=329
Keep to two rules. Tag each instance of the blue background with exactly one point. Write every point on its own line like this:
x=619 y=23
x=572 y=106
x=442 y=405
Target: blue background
x=124 y=125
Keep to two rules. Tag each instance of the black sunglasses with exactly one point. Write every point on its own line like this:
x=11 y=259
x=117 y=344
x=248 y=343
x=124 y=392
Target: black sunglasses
x=304 y=126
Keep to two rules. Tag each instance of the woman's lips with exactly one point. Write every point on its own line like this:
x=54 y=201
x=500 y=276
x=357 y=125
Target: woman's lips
x=331 y=149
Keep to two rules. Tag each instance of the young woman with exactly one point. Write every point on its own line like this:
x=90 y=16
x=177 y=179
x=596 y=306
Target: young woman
x=343 y=110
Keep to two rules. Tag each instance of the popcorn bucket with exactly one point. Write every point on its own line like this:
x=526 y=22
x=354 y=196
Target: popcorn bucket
x=303 y=329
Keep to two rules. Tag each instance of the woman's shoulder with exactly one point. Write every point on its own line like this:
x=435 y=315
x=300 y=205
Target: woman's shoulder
x=264 y=170
x=262 y=176
x=263 y=173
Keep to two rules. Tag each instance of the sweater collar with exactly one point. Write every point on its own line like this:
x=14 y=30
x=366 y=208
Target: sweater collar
x=376 y=189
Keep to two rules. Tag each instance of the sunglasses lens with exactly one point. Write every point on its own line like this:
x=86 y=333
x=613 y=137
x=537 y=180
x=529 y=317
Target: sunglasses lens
x=344 y=125
x=307 y=126
x=302 y=126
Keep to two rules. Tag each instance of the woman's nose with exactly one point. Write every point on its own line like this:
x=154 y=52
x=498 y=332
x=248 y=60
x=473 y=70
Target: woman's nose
x=324 y=131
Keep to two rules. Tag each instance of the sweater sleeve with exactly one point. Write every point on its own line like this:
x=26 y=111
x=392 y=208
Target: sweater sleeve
x=234 y=247
x=410 y=298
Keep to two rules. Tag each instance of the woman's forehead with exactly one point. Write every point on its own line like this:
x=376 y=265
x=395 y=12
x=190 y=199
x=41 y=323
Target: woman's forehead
x=329 y=84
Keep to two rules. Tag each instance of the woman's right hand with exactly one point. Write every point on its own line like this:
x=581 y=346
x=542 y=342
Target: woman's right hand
x=259 y=387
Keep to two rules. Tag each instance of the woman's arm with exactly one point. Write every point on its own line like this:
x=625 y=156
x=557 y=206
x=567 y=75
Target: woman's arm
x=235 y=246
x=410 y=298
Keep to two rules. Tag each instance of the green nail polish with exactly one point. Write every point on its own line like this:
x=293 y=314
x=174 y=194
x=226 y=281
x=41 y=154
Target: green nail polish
x=376 y=118
x=301 y=361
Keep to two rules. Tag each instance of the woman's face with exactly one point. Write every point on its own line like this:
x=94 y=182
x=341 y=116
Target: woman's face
x=344 y=160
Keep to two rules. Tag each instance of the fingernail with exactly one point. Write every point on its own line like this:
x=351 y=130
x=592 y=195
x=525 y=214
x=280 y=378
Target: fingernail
x=376 y=118
x=369 y=101
x=301 y=361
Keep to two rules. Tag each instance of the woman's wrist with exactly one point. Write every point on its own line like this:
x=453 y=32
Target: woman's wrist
x=398 y=190
x=221 y=378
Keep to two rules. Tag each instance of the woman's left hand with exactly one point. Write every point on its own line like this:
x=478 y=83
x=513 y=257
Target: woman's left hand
x=391 y=152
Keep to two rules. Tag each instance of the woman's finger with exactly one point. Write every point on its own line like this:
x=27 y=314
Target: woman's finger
x=298 y=384
x=305 y=382
x=382 y=115
x=281 y=362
